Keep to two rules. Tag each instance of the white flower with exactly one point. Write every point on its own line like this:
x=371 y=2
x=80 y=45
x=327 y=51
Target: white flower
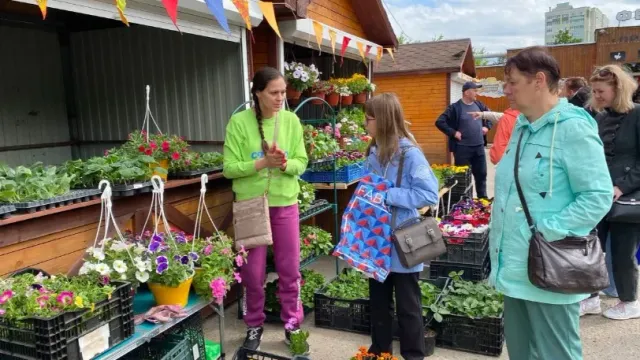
x=338 y=125
x=86 y=268
x=313 y=68
x=353 y=128
x=98 y=255
x=120 y=266
x=90 y=250
x=297 y=74
x=299 y=68
x=123 y=277
x=142 y=276
x=119 y=246
x=286 y=66
x=304 y=76
x=139 y=249
x=103 y=269
x=373 y=87
x=344 y=120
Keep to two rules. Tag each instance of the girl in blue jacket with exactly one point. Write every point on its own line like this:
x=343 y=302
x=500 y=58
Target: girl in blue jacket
x=386 y=124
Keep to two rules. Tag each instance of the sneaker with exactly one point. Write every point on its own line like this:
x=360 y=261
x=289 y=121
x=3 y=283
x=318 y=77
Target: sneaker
x=287 y=340
x=624 y=311
x=590 y=306
x=253 y=339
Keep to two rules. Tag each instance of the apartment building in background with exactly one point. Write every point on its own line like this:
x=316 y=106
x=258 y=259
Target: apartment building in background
x=581 y=22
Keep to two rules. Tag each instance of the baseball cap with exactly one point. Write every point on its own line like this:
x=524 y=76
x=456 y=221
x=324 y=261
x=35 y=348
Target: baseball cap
x=470 y=85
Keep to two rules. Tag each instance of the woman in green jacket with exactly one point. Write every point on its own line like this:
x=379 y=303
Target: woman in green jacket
x=566 y=184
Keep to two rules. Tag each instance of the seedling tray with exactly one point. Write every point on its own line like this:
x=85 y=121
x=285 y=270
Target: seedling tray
x=6 y=210
x=193 y=173
x=58 y=337
x=338 y=314
x=131 y=189
x=72 y=197
x=479 y=336
x=317 y=207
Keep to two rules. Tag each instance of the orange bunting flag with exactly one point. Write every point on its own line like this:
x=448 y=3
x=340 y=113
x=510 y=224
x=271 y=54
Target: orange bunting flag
x=390 y=51
x=360 y=49
x=333 y=35
x=243 y=9
x=379 y=53
x=269 y=15
x=318 y=29
x=42 y=4
x=121 y=5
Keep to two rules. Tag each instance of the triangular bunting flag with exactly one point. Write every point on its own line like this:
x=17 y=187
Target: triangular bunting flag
x=345 y=44
x=333 y=36
x=379 y=53
x=318 y=29
x=360 y=49
x=390 y=51
x=269 y=15
x=217 y=10
x=42 y=4
x=366 y=53
x=172 y=10
x=121 y=5
x=243 y=9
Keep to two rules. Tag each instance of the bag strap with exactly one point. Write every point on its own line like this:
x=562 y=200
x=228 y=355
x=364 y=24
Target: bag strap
x=394 y=213
x=518 y=187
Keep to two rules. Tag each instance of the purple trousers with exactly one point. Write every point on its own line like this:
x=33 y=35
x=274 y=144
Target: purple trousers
x=285 y=227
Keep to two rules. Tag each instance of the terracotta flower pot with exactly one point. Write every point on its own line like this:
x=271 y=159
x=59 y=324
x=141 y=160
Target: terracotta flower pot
x=347 y=100
x=360 y=98
x=293 y=94
x=319 y=95
x=333 y=99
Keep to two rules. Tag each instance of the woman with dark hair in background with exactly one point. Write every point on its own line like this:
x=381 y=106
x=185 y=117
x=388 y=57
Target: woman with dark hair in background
x=578 y=93
x=248 y=158
x=566 y=186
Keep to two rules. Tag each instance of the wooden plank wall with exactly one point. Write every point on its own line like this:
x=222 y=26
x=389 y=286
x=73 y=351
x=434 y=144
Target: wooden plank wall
x=338 y=14
x=424 y=98
x=574 y=60
x=260 y=48
x=616 y=39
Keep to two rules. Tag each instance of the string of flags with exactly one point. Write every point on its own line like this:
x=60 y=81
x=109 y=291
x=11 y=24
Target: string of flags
x=217 y=10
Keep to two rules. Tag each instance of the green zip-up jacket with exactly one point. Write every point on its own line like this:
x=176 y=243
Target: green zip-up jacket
x=242 y=148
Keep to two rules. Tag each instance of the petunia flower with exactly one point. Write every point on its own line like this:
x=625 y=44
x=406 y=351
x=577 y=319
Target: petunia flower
x=237 y=277
x=162 y=267
x=65 y=298
x=218 y=289
x=142 y=276
x=184 y=260
x=8 y=294
x=194 y=256
x=208 y=250
x=153 y=246
x=120 y=266
x=239 y=260
x=161 y=260
x=175 y=156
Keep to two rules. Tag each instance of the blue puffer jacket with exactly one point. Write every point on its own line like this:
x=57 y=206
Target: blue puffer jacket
x=419 y=188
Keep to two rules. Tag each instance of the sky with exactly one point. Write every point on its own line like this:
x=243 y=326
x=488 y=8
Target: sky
x=505 y=24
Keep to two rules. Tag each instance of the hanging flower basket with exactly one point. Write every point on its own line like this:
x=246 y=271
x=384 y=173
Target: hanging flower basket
x=167 y=295
x=347 y=100
x=360 y=98
x=333 y=99
x=158 y=168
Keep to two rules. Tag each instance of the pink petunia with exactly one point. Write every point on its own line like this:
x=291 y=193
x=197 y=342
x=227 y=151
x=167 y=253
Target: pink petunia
x=208 y=250
x=218 y=289
x=239 y=260
x=8 y=294
x=65 y=298
x=42 y=300
x=237 y=277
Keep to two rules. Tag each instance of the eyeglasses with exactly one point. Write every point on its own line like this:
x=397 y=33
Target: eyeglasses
x=604 y=73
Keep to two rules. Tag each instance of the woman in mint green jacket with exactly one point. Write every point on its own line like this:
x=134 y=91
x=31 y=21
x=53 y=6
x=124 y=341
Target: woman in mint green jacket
x=568 y=189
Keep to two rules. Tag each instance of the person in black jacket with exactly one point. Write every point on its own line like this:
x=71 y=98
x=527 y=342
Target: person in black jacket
x=619 y=128
x=579 y=93
x=467 y=134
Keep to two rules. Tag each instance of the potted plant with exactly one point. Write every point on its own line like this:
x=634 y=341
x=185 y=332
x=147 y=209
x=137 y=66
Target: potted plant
x=332 y=94
x=298 y=340
x=364 y=354
x=346 y=96
x=299 y=78
x=306 y=196
x=358 y=85
x=172 y=270
x=319 y=90
x=162 y=147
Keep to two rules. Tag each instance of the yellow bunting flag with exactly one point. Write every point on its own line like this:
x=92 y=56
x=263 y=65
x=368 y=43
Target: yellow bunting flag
x=333 y=35
x=42 y=4
x=243 y=9
x=360 y=49
x=379 y=53
x=121 y=5
x=318 y=29
x=269 y=15
x=390 y=51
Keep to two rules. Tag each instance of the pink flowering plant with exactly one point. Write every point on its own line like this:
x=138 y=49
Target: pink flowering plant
x=160 y=146
x=218 y=266
x=29 y=295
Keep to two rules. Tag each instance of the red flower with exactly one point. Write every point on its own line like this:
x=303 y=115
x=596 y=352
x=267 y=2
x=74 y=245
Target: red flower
x=153 y=145
x=148 y=151
x=307 y=242
x=165 y=146
x=141 y=148
x=175 y=155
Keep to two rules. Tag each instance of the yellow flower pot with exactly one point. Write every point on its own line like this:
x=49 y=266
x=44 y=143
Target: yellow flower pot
x=164 y=164
x=166 y=295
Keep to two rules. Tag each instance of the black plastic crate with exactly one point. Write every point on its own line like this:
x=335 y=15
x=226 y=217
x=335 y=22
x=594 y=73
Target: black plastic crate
x=471 y=250
x=130 y=190
x=58 y=337
x=168 y=347
x=480 y=336
x=71 y=197
x=471 y=272
x=246 y=354
x=348 y=315
x=189 y=174
x=191 y=328
x=6 y=210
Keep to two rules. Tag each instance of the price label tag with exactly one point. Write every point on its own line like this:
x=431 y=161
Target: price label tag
x=137 y=186
x=95 y=342
x=196 y=352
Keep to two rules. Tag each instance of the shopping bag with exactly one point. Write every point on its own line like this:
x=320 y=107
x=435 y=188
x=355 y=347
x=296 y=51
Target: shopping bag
x=365 y=233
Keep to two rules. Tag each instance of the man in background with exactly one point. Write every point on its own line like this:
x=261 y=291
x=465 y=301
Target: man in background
x=578 y=93
x=466 y=134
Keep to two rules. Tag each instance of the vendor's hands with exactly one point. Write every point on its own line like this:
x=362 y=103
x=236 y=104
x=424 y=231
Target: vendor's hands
x=274 y=158
x=485 y=130
x=475 y=114
x=458 y=135
x=616 y=193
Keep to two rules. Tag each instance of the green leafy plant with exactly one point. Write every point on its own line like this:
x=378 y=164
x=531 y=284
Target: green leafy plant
x=312 y=281
x=320 y=144
x=357 y=84
x=344 y=158
x=118 y=167
x=170 y=266
x=322 y=86
x=350 y=285
x=352 y=116
x=314 y=241
x=306 y=196
x=36 y=182
x=192 y=160
x=298 y=338
x=475 y=300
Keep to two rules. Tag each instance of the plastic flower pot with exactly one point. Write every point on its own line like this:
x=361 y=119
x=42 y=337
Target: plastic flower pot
x=360 y=98
x=166 y=295
x=347 y=100
x=333 y=99
x=164 y=163
x=429 y=342
x=293 y=95
x=319 y=95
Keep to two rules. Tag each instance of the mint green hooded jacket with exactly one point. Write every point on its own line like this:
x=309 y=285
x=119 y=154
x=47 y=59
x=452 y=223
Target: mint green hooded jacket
x=566 y=183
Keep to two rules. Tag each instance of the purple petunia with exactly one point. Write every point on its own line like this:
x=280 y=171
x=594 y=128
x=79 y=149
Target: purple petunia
x=194 y=256
x=180 y=239
x=153 y=247
x=162 y=267
x=176 y=257
x=157 y=238
x=161 y=260
x=184 y=259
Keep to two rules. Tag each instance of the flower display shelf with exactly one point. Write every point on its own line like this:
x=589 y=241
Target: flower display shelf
x=181 y=175
x=317 y=207
x=72 y=197
x=131 y=189
x=6 y=210
x=471 y=272
x=476 y=335
x=62 y=336
x=169 y=347
x=246 y=354
x=345 y=174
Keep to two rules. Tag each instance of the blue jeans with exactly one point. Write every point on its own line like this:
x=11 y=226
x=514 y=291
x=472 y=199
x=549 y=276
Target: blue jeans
x=611 y=290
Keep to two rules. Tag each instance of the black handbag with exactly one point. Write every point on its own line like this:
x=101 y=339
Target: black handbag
x=573 y=265
x=626 y=209
x=417 y=239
